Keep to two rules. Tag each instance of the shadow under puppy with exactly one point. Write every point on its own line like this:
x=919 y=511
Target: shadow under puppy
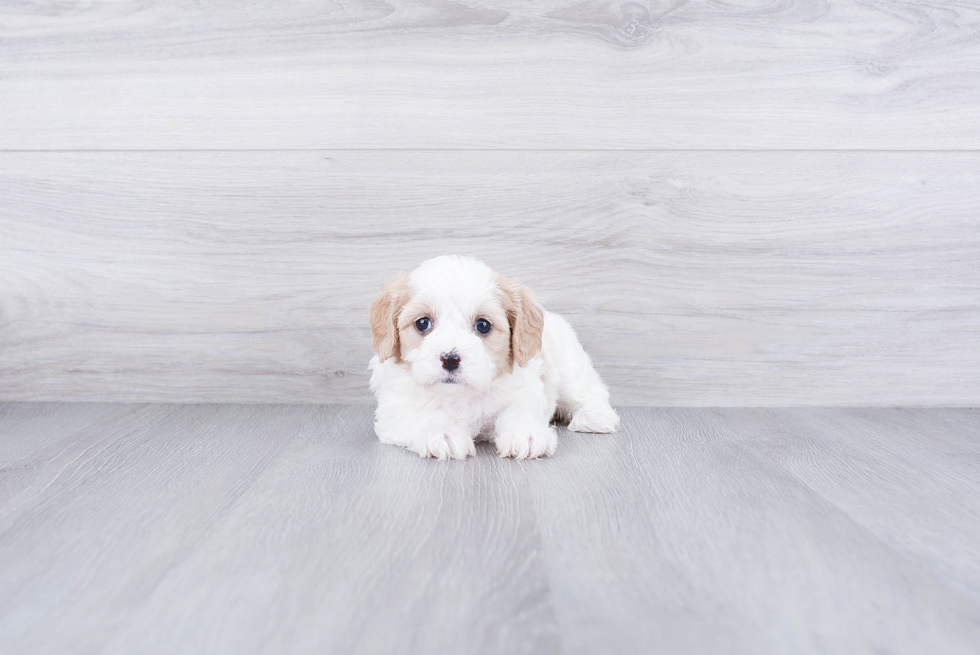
x=464 y=354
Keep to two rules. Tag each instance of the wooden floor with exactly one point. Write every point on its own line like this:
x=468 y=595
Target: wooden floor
x=290 y=529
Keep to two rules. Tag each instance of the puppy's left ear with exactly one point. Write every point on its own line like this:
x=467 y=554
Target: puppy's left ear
x=384 y=316
x=526 y=318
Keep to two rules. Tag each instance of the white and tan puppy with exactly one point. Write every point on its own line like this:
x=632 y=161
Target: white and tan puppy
x=464 y=354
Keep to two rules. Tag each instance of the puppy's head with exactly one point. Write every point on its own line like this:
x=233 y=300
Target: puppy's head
x=456 y=324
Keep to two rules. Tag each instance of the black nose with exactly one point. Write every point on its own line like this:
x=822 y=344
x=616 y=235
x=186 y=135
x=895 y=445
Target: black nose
x=450 y=361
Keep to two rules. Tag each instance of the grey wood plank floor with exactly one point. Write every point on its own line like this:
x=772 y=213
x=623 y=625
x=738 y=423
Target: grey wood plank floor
x=289 y=529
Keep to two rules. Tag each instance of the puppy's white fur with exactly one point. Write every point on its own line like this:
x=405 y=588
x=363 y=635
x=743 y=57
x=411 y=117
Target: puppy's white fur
x=509 y=384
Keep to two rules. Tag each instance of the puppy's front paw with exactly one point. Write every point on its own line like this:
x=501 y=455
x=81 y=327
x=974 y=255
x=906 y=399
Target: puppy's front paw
x=449 y=444
x=526 y=441
x=594 y=418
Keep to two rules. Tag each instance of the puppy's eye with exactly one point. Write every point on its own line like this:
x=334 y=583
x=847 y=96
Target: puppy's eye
x=424 y=324
x=482 y=326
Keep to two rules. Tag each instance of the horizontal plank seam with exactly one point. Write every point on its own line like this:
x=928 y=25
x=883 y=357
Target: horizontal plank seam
x=556 y=150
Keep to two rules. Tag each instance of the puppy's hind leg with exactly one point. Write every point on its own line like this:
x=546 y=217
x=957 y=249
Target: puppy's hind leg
x=594 y=418
x=583 y=398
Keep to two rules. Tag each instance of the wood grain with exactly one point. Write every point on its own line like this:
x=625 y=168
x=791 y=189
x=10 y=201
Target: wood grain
x=344 y=545
x=508 y=74
x=770 y=278
x=107 y=513
x=273 y=529
x=691 y=526
x=864 y=460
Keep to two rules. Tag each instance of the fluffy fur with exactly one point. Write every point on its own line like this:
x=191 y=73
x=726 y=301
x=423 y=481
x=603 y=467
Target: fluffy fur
x=509 y=383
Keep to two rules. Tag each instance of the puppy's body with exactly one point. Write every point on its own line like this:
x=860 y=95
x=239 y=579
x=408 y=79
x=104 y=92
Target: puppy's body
x=442 y=381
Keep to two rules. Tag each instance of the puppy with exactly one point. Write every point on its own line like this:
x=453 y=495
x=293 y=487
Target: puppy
x=464 y=354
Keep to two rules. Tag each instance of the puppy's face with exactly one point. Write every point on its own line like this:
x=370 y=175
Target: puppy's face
x=456 y=324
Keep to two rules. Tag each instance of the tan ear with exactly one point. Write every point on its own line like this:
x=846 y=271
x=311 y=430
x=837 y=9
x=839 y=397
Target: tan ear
x=384 y=316
x=526 y=318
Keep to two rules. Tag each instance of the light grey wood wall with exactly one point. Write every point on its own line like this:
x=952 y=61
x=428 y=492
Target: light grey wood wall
x=491 y=74
x=734 y=203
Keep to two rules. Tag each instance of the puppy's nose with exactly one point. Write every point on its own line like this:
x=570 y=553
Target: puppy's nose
x=450 y=361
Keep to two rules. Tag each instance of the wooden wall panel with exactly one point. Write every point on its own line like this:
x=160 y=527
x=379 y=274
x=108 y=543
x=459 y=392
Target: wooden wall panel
x=644 y=74
x=694 y=278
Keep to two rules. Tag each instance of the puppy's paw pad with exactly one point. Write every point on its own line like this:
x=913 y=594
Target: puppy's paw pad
x=595 y=418
x=527 y=443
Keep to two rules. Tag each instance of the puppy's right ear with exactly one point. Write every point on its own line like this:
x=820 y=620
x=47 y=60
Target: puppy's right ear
x=384 y=316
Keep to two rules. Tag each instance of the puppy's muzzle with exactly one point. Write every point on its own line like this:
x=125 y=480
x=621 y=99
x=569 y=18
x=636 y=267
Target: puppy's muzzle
x=450 y=360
